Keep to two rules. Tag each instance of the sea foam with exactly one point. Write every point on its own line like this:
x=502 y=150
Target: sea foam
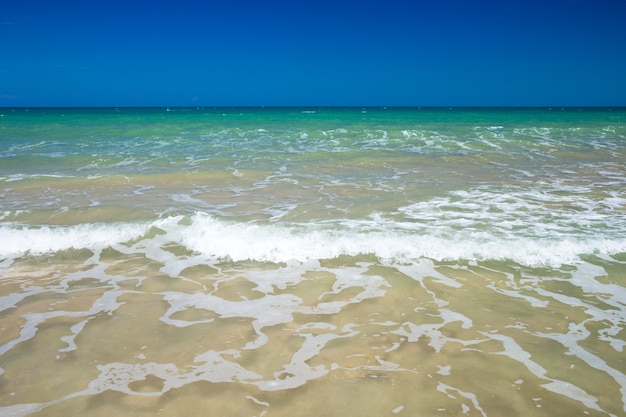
x=21 y=240
x=217 y=239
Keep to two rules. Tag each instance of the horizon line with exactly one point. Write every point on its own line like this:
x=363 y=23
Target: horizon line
x=451 y=107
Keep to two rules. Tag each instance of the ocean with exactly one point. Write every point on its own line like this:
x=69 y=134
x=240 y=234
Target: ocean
x=313 y=261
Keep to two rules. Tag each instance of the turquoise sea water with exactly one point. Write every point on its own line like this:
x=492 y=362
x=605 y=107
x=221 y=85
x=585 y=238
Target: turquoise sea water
x=254 y=261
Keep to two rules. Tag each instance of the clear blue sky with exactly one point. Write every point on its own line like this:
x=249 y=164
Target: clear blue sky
x=324 y=52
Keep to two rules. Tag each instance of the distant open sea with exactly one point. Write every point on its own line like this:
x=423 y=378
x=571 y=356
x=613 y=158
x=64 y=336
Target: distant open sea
x=313 y=262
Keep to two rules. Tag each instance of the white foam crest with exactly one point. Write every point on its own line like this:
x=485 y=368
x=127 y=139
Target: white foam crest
x=401 y=241
x=216 y=238
x=21 y=240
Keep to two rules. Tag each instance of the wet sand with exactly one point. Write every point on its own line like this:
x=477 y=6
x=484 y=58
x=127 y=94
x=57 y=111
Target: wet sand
x=344 y=337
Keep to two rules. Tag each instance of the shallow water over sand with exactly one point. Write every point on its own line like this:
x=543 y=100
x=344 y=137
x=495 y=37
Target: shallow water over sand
x=345 y=337
x=284 y=262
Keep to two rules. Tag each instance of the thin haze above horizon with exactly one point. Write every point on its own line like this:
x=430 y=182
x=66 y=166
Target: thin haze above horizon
x=279 y=53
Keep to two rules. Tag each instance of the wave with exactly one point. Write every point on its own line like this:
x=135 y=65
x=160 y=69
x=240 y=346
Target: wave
x=19 y=240
x=218 y=240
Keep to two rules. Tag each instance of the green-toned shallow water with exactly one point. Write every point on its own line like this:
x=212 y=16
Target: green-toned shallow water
x=318 y=261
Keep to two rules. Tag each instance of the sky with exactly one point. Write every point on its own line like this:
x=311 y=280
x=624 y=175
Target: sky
x=315 y=53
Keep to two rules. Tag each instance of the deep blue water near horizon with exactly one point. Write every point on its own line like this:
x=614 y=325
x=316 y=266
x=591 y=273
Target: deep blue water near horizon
x=250 y=261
